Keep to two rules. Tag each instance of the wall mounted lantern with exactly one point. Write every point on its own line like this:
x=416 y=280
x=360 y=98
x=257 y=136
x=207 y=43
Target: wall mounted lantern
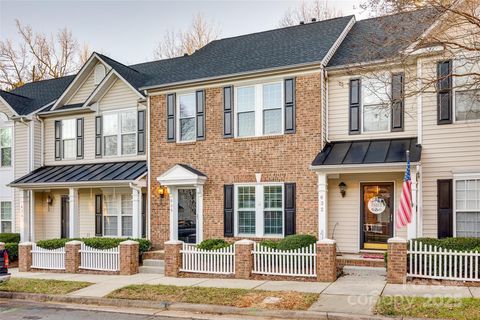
x=162 y=191
x=343 y=187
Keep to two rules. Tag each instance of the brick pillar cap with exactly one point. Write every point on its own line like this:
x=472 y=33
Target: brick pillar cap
x=245 y=242
x=326 y=241
x=74 y=243
x=173 y=242
x=397 y=240
x=26 y=244
x=129 y=242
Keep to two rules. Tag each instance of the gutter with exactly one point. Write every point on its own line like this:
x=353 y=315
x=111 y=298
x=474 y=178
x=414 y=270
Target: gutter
x=65 y=184
x=52 y=113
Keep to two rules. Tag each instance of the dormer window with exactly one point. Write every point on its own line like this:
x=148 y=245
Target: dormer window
x=99 y=73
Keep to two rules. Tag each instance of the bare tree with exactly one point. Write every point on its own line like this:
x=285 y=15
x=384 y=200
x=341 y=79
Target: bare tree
x=383 y=7
x=307 y=10
x=177 y=43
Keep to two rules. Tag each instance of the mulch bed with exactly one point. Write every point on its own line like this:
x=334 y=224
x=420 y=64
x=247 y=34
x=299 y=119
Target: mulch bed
x=435 y=282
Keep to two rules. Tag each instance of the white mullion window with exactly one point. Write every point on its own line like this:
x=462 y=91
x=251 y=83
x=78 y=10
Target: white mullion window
x=245 y=109
x=110 y=216
x=120 y=133
x=128 y=133
x=186 y=126
x=5 y=217
x=6 y=147
x=273 y=210
x=246 y=210
x=127 y=215
x=69 y=138
x=110 y=134
x=466 y=101
x=272 y=108
x=375 y=103
x=467 y=207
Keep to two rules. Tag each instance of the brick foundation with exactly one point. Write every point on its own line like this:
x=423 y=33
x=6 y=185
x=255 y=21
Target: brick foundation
x=25 y=256
x=397 y=261
x=173 y=258
x=72 y=256
x=326 y=260
x=129 y=256
x=243 y=259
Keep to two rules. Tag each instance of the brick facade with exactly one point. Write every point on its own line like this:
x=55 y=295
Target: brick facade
x=129 y=256
x=284 y=158
x=25 y=256
x=397 y=261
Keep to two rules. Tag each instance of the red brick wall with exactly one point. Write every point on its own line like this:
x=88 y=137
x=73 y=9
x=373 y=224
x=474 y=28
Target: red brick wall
x=284 y=158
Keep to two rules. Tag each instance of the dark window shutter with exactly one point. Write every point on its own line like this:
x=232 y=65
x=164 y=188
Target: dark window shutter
x=141 y=132
x=171 y=117
x=200 y=98
x=228 y=216
x=58 y=140
x=397 y=102
x=354 y=108
x=80 y=138
x=444 y=92
x=289 y=208
x=98 y=215
x=445 y=208
x=98 y=136
x=289 y=105
x=228 y=112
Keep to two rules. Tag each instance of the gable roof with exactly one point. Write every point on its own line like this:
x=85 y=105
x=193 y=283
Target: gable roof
x=383 y=37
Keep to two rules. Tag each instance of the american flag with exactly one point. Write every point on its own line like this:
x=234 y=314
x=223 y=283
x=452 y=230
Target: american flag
x=404 y=211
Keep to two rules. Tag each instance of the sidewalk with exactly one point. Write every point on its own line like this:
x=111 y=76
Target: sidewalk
x=349 y=294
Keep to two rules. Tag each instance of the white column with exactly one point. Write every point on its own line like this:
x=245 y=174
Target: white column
x=322 y=190
x=412 y=226
x=25 y=216
x=136 y=213
x=173 y=195
x=199 y=213
x=73 y=219
x=32 y=215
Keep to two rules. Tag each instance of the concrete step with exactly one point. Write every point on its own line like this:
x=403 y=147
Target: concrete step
x=153 y=263
x=364 y=271
x=145 y=269
x=154 y=254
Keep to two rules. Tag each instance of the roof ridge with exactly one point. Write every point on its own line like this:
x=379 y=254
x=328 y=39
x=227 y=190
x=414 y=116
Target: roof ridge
x=124 y=65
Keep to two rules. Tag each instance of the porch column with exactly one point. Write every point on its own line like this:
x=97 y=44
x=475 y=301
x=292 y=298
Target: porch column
x=73 y=220
x=322 y=190
x=199 y=213
x=412 y=227
x=25 y=217
x=136 y=212
x=173 y=213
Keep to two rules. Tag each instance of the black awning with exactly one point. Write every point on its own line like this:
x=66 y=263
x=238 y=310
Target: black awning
x=78 y=173
x=368 y=152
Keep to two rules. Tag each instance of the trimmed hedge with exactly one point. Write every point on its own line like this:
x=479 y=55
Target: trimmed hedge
x=10 y=237
x=12 y=249
x=458 y=244
x=290 y=242
x=97 y=243
x=213 y=244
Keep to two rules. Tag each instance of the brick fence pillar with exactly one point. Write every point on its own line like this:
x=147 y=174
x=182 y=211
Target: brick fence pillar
x=173 y=258
x=326 y=260
x=72 y=256
x=2 y=245
x=397 y=261
x=25 y=256
x=129 y=257
x=243 y=259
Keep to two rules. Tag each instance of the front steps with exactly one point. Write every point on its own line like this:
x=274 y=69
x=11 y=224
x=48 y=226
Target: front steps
x=152 y=266
x=155 y=255
x=364 y=271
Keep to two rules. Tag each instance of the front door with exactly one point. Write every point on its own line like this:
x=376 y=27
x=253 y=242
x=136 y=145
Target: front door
x=65 y=220
x=376 y=215
x=187 y=215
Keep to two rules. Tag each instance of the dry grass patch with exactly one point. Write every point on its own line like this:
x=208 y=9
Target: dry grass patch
x=241 y=298
x=42 y=286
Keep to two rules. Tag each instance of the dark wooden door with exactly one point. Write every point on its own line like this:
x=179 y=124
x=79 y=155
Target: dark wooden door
x=65 y=223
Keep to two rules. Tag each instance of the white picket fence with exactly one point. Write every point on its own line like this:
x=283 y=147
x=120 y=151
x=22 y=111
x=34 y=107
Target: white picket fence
x=427 y=261
x=99 y=259
x=221 y=261
x=299 y=262
x=48 y=259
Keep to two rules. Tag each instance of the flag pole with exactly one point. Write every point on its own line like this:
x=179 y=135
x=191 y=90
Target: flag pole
x=408 y=155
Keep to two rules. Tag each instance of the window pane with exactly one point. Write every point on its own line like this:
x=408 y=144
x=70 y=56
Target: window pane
x=110 y=219
x=5 y=137
x=246 y=210
x=187 y=106
x=468 y=224
x=376 y=89
x=246 y=222
x=246 y=124
x=129 y=122
x=69 y=149
x=110 y=124
x=467 y=105
x=6 y=226
x=110 y=225
x=68 y=129
x=375 y=118
x=272 y=96
x=272 y=196
x=6 y=157
x=127 y=205
x=110 y=147
x=245 y=99
x=6 y=210
x=127 y=226
x=187 y=129
x=272 y=121
x=273 y=222
x=129 y=143
x=246 y=197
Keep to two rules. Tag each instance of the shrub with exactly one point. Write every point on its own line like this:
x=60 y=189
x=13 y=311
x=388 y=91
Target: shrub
x=12 y=249
x=97 y=243
x=213 y=244
x=458 y=244
x=51 y=244
x=10 y=237
x=291 y=242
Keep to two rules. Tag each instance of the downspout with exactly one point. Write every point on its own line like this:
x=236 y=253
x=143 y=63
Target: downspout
x=149 y=178
x=326 y=106
x=42 y=144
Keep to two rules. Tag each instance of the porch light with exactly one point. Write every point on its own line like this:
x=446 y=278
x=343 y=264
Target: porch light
x=162 y=191
x=49 y=200
x=343 y=187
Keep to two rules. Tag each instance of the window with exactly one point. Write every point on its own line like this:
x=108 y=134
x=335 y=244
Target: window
x=187 y=117
x=467 y=93
x=117 y=215
x=120 y=133
x=376 y=101
x=259 y=109
x=259 y=210
x=5 y=216
x=5 y=147
x=99 y=73
x=467 y=207
x=69 y=139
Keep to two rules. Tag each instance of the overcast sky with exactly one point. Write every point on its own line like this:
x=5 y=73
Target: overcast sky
x=129 y=31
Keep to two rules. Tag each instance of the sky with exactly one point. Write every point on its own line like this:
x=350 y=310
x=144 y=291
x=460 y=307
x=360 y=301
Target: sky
x=129 y=31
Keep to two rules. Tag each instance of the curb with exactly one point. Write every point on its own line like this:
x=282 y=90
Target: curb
x=187 y=307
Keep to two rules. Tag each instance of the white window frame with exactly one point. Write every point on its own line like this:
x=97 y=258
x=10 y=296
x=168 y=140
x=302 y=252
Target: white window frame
x=11 y=216
x=454 y=95
x=117 y=198
x=119 y=132
x=259 y=210
x=10 y=128
x=461 y=177
x=177 y=116
x=363 y=104
x=74 y=139
x=258 y=110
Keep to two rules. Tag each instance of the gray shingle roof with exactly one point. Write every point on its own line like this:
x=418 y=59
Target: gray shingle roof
x=382 y=37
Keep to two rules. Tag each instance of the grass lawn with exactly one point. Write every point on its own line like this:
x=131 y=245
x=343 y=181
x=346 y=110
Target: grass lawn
x=42 y=286
x=442 y=308
x=228 y=297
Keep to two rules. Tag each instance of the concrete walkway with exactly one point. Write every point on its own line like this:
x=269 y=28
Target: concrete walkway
x=349 y=294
